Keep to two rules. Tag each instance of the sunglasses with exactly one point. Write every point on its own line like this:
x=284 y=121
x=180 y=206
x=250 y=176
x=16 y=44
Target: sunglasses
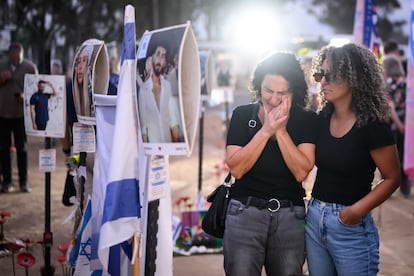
x=328 y=76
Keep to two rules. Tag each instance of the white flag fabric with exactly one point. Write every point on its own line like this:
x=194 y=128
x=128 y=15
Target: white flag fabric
x=105 y=108
x=121 y=207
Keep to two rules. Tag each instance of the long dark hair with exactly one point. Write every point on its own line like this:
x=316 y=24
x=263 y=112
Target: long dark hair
x=286 y=65
x=358 y=66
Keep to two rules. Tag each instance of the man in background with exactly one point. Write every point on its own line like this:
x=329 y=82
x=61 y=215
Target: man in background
x=12 y=72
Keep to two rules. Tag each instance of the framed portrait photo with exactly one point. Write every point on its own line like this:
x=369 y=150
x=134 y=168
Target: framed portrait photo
x=168 y=81
x=45 y=105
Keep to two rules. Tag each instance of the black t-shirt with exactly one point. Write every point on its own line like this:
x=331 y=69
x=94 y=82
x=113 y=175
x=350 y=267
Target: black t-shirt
x=270 y=177
x=345 y=167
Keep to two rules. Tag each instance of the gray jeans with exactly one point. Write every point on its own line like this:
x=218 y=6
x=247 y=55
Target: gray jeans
x=254 y=238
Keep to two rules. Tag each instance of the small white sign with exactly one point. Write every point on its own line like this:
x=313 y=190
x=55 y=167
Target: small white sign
x=83 y=138
x=47 y=160
x=158 y=177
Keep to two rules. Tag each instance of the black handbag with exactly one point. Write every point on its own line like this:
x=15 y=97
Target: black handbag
x=69 y=190
x=214 y=220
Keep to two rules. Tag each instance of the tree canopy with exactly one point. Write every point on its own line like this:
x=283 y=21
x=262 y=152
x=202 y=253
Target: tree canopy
x=63 y=25
x=340 y=15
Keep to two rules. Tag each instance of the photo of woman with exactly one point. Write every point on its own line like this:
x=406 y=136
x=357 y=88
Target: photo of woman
x=82 y=91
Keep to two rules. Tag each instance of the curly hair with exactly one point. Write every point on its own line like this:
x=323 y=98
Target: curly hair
x=358 y=66
x=284 y=64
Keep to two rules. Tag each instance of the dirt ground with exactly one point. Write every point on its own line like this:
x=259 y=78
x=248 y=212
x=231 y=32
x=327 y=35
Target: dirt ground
x=27 y=221
x=395 y=218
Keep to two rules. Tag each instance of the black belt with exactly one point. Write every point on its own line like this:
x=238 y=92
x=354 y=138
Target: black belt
x=273 y=204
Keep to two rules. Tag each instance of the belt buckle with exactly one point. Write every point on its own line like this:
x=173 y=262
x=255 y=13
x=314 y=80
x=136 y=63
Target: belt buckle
x=278 y=205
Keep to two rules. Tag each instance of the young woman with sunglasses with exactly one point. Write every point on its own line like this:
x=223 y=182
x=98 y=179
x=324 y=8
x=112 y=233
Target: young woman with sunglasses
x=354 y=139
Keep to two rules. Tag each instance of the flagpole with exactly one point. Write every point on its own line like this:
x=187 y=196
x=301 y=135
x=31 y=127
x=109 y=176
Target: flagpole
x=121 y=197
x=136 y=260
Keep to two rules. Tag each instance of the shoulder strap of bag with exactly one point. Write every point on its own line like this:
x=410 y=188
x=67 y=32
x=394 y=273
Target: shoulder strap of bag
x=252 y=125
x=227 y=180
x=253 y=122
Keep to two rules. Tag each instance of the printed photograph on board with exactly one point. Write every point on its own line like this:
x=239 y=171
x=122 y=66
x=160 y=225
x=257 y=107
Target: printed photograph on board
x=158 y=87
x=84 y=79
x=168 y=88
x=45 y=105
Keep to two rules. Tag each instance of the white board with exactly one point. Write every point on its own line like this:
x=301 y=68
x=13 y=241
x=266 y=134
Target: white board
x=54 y=108
x=90 y=76
x=168 y=111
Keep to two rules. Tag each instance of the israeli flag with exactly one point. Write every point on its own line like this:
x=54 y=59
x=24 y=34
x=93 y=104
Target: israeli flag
x=85 y=240
x=79 y=255
x=121 y=207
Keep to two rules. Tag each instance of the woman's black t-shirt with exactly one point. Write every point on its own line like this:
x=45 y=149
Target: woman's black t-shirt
x=270 y=177
x=345 y=167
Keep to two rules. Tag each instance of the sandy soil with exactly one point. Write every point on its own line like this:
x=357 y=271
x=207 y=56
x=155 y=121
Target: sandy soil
x=27 y=221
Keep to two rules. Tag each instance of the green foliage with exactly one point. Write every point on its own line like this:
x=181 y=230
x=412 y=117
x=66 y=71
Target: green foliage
x=65 y=24
x=340 y=15
x=44 y=23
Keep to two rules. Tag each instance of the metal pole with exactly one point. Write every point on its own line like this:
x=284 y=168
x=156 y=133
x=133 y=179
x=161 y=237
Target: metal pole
x=48 y=269
x=200 y=148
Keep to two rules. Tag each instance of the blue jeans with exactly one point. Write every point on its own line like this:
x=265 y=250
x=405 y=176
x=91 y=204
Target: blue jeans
x=254 y=238
x=334 y=248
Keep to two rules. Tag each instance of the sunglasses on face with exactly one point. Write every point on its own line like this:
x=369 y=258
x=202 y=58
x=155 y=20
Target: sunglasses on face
x=328 y=76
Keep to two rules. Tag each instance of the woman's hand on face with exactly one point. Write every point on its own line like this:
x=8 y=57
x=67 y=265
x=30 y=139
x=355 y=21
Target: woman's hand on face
x=276 y=118
x=284 y=112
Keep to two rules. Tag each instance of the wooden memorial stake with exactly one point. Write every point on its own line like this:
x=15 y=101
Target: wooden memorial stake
x=136 y=255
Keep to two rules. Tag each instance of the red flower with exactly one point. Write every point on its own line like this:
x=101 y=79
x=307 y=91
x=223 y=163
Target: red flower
x=12 y=246
x=4 y=214
x=178 y=201
x=64 y=247
x=26 y=259
x=61 y=258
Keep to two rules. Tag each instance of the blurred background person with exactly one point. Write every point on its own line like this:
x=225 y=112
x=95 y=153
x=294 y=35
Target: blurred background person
x=114 y=71
x=396 y=88
x=391 y=48
x=12 y=72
